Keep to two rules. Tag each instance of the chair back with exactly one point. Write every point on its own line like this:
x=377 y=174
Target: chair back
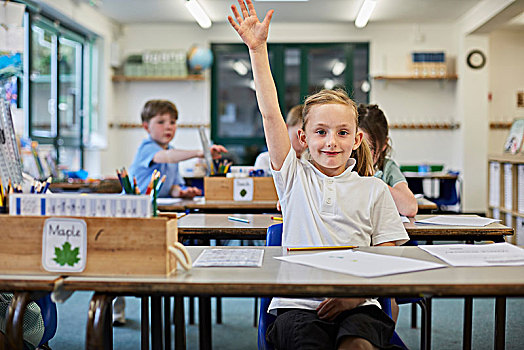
x=49 y=315
x=273 y=238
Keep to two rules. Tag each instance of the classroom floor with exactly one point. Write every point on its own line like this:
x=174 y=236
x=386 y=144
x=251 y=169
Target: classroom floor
x=237 y=331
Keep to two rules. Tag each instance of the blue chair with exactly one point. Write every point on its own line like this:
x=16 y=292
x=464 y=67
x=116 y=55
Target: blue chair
x=449 y=194
x=15 y=316
x=49 y=315
x=274 y=238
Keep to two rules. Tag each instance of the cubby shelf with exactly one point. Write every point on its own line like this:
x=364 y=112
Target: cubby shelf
x=411 y=77
x=123 y=78
x=505 y=191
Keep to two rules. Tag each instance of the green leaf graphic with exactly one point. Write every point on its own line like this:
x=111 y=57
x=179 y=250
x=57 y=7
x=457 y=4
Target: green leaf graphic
x=243 y=192
x=66 y=255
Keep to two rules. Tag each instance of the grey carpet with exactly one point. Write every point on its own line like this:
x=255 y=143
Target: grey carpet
x=237 y=331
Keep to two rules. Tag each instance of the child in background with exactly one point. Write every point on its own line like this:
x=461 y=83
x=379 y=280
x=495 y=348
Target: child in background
x=328 y=199
x=374 y=124
x=293 y=123
x=155 y=153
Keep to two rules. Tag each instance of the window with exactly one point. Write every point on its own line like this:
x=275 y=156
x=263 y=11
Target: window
x=298 y=70
x=57 y=77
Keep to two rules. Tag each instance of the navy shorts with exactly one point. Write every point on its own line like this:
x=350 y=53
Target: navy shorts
x=302 y=329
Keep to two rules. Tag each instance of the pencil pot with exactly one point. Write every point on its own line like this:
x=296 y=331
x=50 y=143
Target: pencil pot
x=111 y=246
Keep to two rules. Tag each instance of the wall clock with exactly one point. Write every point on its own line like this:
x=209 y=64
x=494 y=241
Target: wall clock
x=476 y=59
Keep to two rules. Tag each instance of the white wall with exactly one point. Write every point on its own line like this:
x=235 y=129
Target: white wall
x=390 y=46
x=506 y=58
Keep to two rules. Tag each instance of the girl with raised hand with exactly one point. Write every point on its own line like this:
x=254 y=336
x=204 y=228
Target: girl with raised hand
x=328 y=198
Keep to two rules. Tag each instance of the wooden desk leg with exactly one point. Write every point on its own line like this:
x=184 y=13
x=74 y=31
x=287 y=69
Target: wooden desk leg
x=468 y=323
x=15 y=320
x=99 y=332
x=204 y=322
x=180 y=324
x=144 y=323
x=500 y=323
x=413 y=315
x=167 y=323
x=156 y=323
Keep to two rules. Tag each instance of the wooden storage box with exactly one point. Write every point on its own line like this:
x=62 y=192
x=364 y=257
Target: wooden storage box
x=221 y=188
x=115 y=246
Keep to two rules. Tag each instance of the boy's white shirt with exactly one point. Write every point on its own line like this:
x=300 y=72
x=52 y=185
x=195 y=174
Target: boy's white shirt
x=320 y=210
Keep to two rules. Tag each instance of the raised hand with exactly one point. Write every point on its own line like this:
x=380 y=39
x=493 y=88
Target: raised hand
x=251 y=30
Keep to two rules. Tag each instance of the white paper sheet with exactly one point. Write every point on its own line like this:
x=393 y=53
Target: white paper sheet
x=360 y=263
x=457 y=220
x=497 y=254
x=404 y=218
x=168 y=201
x=230 y=258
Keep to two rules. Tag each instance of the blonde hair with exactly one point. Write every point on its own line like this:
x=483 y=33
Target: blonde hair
x=294 y=116
x=364 y=165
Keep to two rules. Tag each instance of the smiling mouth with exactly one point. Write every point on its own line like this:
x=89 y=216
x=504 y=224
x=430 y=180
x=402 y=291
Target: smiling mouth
x=330 y=153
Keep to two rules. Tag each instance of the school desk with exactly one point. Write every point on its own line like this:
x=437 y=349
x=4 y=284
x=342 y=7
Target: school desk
x=294 y=280
x=217 y=226
x=229 y=206
x=425 y=205
x=23 y=286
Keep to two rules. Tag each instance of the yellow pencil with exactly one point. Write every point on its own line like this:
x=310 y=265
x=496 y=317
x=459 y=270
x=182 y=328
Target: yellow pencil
x=322 y=248
x=277 y=218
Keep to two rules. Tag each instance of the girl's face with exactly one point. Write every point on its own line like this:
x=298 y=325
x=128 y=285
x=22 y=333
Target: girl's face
x=162 y=128
x=331 y=135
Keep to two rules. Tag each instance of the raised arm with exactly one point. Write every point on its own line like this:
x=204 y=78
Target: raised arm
x=254 y=34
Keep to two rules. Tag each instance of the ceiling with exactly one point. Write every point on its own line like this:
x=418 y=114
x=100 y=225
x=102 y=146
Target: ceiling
x=386 y=11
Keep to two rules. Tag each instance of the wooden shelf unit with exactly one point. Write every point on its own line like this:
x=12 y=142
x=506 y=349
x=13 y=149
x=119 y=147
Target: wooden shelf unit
x=412 y=77
x=124 y=78
x=505 y=191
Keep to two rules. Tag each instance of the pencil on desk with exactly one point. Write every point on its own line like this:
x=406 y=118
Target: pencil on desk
x=322 y=248
x=277 y=218
x=234 y=218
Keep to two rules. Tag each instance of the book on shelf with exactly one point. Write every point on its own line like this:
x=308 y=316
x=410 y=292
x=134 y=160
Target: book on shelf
x=508 y=186
x=516 y=135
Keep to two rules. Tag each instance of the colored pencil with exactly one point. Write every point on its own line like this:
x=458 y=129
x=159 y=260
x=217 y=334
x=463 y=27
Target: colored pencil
x=234 y=218
x=322 y=248
x=277 y=218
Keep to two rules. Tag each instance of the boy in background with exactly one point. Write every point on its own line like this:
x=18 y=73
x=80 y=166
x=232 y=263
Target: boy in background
x=159 y=119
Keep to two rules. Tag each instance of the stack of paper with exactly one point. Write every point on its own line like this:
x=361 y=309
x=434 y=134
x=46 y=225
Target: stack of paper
x=494 y=184
x=520 y=185
x=508 y=186
x=230 y=258
x=498 y=254
x=457 y=220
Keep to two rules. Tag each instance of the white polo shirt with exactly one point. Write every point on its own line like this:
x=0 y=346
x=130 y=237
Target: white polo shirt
x=321 y=210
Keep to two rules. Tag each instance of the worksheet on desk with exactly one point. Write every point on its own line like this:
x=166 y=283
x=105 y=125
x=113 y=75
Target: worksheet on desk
x=457 y=220
x=361 y=263
x=496 y=254
x=230 y=258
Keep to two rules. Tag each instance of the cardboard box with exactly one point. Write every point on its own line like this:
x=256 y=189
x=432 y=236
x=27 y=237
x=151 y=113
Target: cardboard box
x=115 y=246
x=222 y=188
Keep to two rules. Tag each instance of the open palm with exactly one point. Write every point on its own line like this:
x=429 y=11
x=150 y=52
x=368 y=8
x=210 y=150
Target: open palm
x=251 y=30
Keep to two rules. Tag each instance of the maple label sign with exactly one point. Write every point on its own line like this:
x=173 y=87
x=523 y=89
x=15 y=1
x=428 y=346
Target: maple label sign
x=64 y=245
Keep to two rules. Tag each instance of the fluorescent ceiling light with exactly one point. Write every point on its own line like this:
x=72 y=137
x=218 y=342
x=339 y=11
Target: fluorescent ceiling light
x=240 y=67
x=338 y=68
x=281 y=0
x=198 y=13
x=329 y=84
x=365 y=12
